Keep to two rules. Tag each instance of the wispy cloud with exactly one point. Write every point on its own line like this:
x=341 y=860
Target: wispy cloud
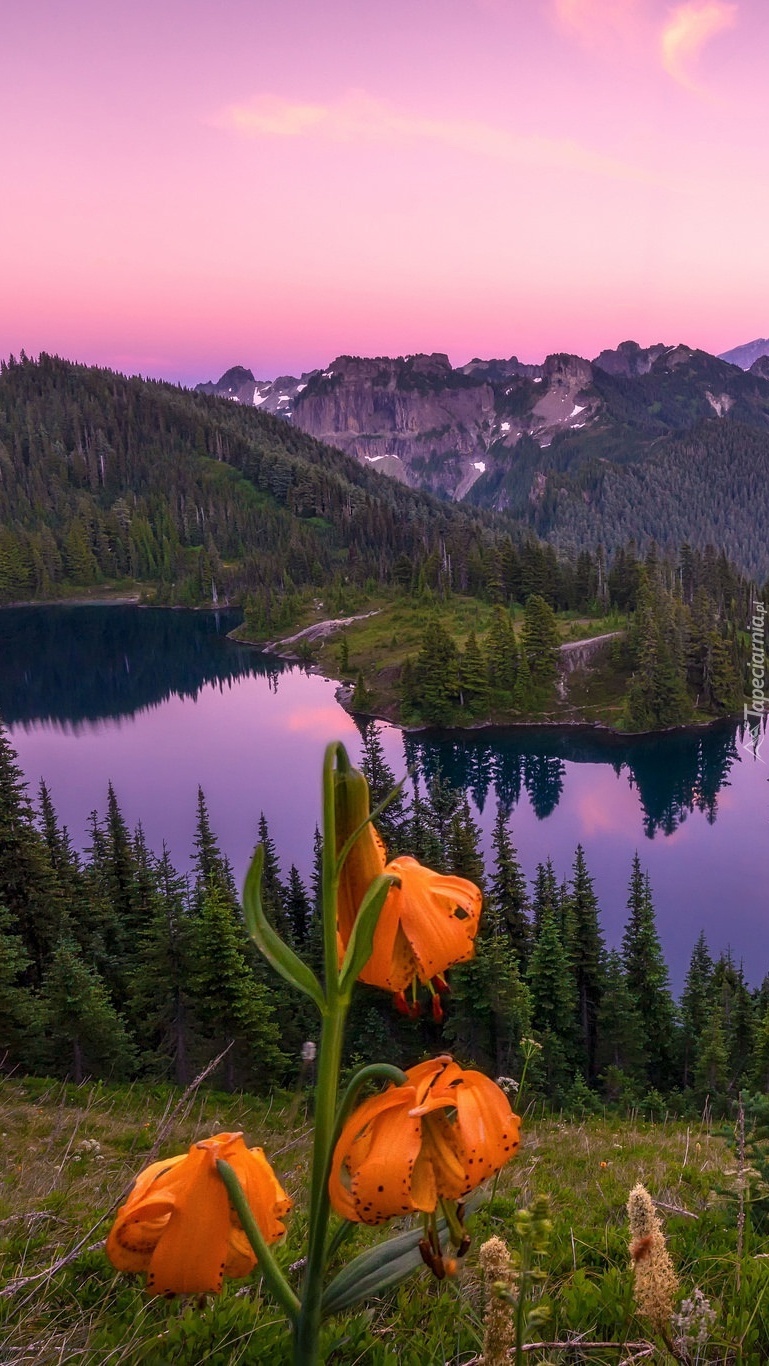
x=689 y=27
x=598 y=23
x=357 y=117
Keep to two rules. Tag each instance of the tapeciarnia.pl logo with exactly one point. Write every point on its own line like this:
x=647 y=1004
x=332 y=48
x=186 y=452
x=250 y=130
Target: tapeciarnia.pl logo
x=756 y=709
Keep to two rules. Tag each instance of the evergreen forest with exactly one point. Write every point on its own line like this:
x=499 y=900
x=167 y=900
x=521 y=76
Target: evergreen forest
x=115 y=966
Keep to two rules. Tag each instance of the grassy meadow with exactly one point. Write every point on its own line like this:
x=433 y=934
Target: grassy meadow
x=68 y=1154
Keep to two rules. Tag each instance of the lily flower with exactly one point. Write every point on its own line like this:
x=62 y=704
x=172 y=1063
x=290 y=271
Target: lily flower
x=178 y=1224
x=428 y=921
x=432 y=1139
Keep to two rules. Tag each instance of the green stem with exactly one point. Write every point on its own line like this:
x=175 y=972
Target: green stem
x=329 y=1061
x=520 y=1313
x=307 y=1329
x=271 y=1272
x=373 y=1071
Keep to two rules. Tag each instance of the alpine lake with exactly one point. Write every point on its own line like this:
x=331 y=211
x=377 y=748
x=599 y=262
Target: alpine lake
x=160 y=702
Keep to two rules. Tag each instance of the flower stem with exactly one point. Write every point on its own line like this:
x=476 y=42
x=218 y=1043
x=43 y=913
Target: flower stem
x=307 y=1327
x=271 y=1272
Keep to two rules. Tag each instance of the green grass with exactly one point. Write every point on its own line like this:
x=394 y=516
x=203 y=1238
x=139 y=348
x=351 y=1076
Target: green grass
x=68 y=1153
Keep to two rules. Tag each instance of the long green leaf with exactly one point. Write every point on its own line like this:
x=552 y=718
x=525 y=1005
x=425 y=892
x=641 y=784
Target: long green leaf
x=361 y=941
x=279 y=955
x=376 y=1270
x=382 y=1267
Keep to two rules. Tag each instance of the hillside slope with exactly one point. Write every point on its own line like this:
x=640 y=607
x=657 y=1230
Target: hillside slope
x=104 y=477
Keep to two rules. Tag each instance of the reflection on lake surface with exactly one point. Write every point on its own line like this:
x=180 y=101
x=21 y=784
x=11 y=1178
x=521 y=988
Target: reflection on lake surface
x=160 y=701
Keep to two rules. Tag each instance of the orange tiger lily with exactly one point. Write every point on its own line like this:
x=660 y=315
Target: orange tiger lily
x=178 y=1225
x=428 y=921
x=433 y=1138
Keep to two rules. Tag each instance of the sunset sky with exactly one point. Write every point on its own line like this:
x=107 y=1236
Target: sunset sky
x=188 y=185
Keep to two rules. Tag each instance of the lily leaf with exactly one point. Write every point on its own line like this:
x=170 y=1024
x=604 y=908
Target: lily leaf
x=278 y=955
x=378 y=1269
x=383 y=1267
x=361 y=941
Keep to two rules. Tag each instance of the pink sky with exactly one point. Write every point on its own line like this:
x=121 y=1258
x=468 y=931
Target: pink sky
x=186 y=186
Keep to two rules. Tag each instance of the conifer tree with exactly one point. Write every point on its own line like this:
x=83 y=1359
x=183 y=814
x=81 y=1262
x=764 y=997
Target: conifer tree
x=381 y=781
x=28 y=887
x=730 y=993
x=586 y=950
x=647 y=978
x=463 y=854
x=553 y=1003
x=695 y=1005
x=421 y=838
x=490 y=1004
x=85 y=1034
x=759 y=1068
x=273 y=891
x=442 y=803
x=435 y=675
x=21 y=1023
x=229 y=1004
x=211 y=868
x=502 y=653
x=159 y=1000
x=473 y=681
x=620 y=1029
x=546 y=896
x=298 y=908
x=314 y=947
x=508 y=892
x=711 y=1076
x=540 y=642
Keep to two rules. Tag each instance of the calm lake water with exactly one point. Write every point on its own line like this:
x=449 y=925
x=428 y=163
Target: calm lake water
x=161 y=702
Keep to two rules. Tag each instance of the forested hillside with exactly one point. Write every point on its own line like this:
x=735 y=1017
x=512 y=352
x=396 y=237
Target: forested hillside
x=709 y=485
x=108 y=478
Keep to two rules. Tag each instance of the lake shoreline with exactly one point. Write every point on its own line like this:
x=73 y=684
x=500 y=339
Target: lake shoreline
x=600 y=729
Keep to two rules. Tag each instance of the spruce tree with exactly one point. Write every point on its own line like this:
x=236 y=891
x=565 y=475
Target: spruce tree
x=508 y=892
x=586 y=950
x=711 y=1076
x=473 y=681
x=620 y=1030
x=28 y=887
x=298 y=908
x=695 y=1005
x=273 y=891
x=490 y=1005
x=546 y=897
x=435 y=680
x=159 y=1002
x=463 y=853
x=421 y=838
x=647 y=979
x=211 y=869
x=502 y=653
x=230 y=1005
x=759 y=1069
x=553 y=1002
x=86 y=1036
x=381 y=781
x=21 y=1022
x=540 y=643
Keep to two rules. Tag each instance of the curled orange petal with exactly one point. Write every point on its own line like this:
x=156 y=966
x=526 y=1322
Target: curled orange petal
x=177 y=1223
x=433 y=1138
